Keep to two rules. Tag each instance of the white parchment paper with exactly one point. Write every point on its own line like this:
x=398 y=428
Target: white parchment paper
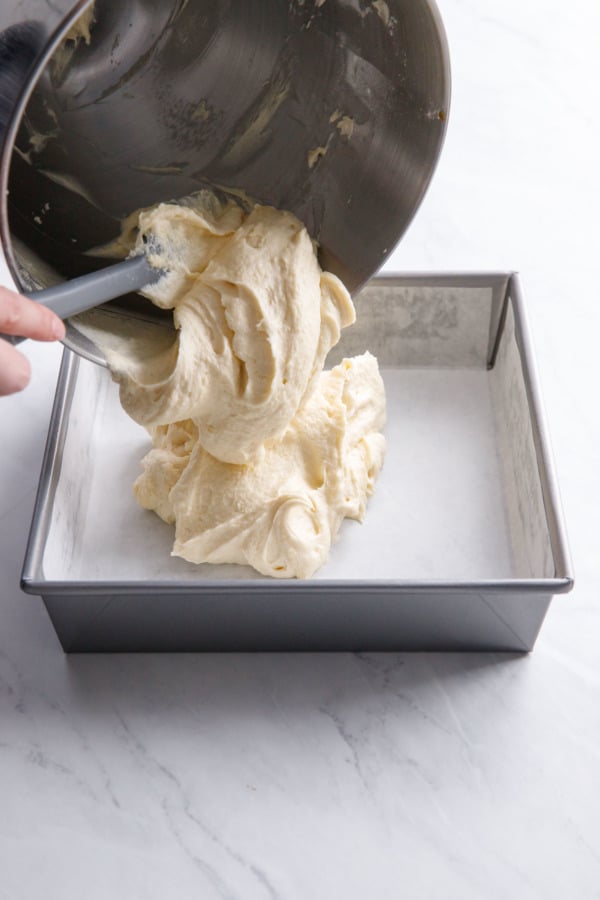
x=459 y=496
x=438 y=510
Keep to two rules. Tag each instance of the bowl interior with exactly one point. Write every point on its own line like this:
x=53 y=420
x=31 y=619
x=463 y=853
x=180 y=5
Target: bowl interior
x=336 y=112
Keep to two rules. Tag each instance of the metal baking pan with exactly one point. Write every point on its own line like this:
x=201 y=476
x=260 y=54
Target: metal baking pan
x=462 y=548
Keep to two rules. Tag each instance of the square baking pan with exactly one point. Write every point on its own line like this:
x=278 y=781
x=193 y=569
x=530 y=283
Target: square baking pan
x=462 y=548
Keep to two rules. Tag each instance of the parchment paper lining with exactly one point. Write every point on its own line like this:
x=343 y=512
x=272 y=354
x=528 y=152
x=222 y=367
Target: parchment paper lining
x=458 y=498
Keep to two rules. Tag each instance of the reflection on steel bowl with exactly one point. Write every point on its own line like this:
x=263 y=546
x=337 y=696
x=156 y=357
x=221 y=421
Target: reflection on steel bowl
x=335 y=111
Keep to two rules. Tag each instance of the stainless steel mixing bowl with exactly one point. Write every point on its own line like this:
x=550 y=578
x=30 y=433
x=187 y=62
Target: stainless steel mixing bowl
x=335 y=110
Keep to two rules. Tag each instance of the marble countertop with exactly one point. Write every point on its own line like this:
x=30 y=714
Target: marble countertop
x=324 y=776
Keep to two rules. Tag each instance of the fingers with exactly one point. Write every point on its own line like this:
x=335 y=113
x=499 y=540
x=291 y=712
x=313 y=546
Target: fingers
x=19 y=315
x=23 y=317
x=15 y=370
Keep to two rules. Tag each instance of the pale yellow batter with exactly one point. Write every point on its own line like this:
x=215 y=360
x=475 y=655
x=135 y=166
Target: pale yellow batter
x=258 y=455
x=256 y=318
x=281 y=513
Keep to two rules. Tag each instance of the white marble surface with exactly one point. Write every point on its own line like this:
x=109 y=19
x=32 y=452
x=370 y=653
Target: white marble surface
x=294 y=777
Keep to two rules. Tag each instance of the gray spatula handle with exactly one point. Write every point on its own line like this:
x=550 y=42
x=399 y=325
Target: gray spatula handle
x=78 y=294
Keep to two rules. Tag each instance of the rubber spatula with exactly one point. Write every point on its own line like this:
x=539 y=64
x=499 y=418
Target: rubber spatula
x=75 y=296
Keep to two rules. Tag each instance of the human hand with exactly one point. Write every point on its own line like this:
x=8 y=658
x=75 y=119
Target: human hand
x=23 y=317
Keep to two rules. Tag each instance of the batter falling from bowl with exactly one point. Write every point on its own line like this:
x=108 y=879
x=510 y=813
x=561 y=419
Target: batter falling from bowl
x=258 y=454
